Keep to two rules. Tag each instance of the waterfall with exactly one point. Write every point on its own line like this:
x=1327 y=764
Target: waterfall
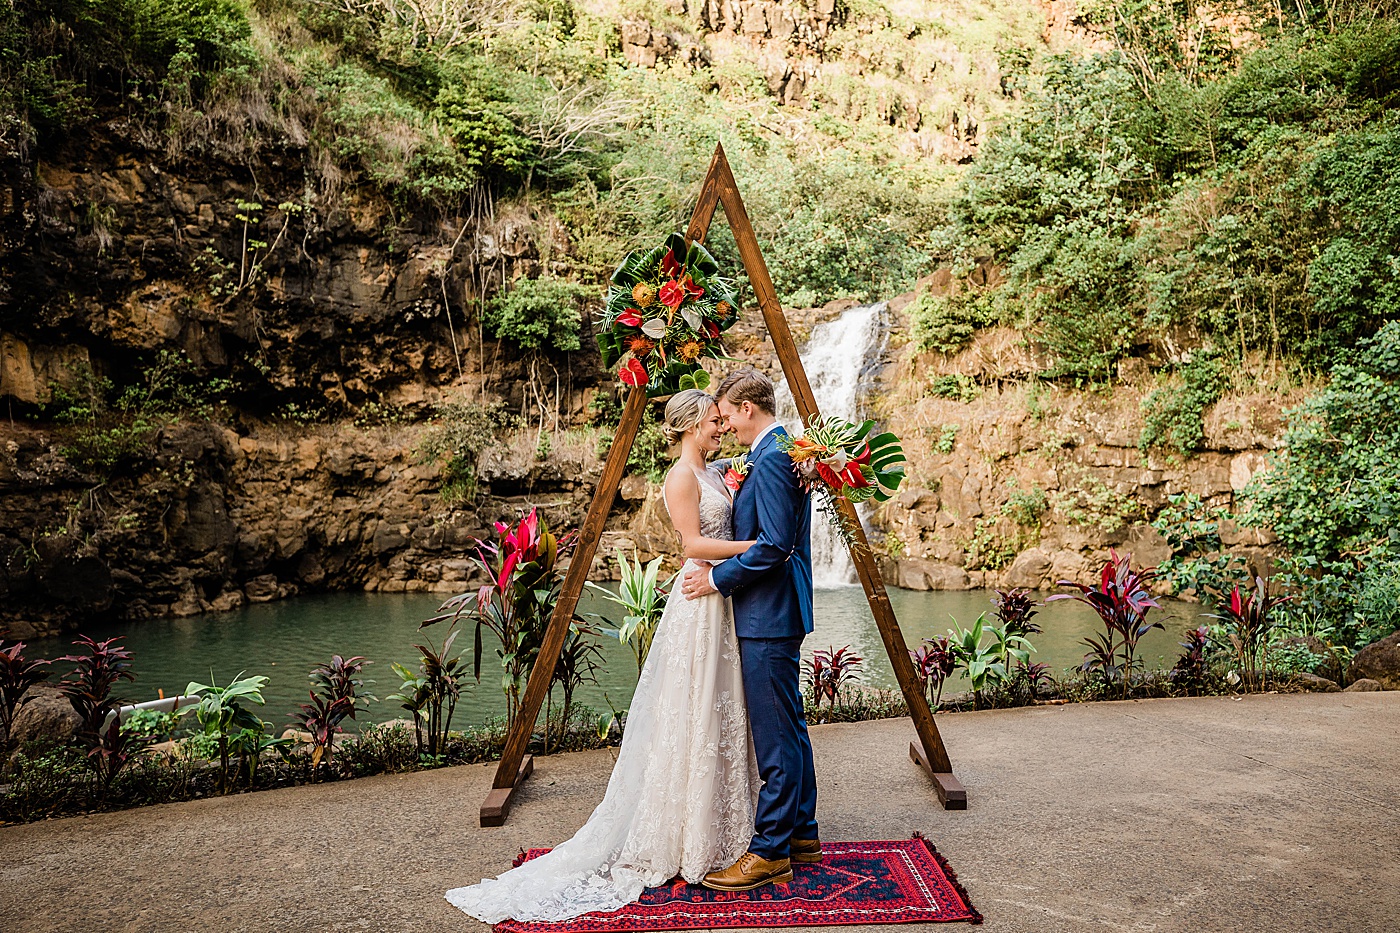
x=841 y=359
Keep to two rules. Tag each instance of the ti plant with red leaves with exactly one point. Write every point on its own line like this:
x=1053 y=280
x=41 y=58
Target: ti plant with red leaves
x=934 y=662
x=579 y=662
x=830 y=670
x=1035 y=677
x=1122 y=601
x=88 y=688
x=1014 y=610
x=1192 y=664
x=17 y=675
x=516 y=604
x=335 y=697
x=1248 y=620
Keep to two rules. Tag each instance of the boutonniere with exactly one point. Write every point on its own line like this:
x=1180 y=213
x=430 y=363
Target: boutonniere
x=738 y=469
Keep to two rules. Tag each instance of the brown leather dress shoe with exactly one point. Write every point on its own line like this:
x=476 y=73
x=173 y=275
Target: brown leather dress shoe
x=806 y=850
x=748 y=873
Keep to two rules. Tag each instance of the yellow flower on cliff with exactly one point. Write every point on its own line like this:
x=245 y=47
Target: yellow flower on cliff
x=643 y=294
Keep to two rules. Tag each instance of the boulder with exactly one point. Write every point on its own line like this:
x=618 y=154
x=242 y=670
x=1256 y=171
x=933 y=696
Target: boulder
x=1378 y=661
x=912 y=573
x=1147 y=545
x=1028 y=570
x=1364 y=685
x=1314 y=683
x=262 y=589
x=46 y=716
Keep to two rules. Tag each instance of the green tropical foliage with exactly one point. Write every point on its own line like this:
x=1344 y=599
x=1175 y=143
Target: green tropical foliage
x=642 y=596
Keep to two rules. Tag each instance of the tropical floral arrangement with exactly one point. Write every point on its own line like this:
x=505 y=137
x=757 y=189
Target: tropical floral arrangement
x=664 y=312
x=841 y=460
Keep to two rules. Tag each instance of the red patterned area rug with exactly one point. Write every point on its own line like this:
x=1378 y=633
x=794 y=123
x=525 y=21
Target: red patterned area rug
x=855 y=883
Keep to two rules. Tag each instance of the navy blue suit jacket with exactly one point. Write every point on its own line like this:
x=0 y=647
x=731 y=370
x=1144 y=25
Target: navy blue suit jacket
x=771 y=582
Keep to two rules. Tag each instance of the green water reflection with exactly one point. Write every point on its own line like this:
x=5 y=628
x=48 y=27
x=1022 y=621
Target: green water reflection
x=282 y=640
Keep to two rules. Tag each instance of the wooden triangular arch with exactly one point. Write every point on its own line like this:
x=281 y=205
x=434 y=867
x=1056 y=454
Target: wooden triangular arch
x=719 y=189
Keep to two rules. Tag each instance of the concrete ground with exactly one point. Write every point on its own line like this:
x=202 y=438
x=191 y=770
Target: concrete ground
x=1267 y=813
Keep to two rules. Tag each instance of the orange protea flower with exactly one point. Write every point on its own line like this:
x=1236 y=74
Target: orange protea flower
x=643 y=294
x=640 y=345
x=690 y=350
x=804 y=449
x=723 y=309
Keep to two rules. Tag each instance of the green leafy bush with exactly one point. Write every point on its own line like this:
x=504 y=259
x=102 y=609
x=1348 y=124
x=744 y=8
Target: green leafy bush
x=1173 y=416
x=460 y=432
x=539 y=314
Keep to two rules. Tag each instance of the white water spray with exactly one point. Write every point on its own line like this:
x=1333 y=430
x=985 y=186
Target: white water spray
x=841 y=359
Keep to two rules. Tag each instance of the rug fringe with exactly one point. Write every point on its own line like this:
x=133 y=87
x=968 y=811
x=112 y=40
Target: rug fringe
x=952 y=877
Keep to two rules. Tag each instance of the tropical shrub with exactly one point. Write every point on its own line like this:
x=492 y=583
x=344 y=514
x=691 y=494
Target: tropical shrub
x=231 y=726
x=934 y=661
x=430 y=694
x=986 y=666
x=642 y=596
x=1192 y=665
x=17 y=674
x=99 y=668
x=335 y=696
x=1247 y=623
x=517 y=602
x=1121 y=600
x=1014 y=610
x=829 y=672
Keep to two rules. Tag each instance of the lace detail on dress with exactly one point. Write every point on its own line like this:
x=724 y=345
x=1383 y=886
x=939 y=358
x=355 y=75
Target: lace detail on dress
x=682 y=793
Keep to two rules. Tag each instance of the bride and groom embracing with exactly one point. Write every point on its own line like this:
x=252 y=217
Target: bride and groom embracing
x=714 y=780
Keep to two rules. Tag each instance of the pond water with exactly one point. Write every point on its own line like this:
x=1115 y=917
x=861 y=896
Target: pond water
x=283 y=640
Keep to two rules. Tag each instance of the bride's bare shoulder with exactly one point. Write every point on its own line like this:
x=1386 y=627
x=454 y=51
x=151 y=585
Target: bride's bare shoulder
x=681 y=478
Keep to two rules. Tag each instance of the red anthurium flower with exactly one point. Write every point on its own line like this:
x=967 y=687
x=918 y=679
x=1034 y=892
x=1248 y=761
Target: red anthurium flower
x=711 y=329
x=827 y=474
x=691 y=289
x=630 y=318
x=669 y=265
x=863 y=458
x=633 y=373
x=853 y=477
x=672 y=294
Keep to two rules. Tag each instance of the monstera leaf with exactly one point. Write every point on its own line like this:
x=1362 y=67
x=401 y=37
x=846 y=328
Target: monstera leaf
x=638 y=265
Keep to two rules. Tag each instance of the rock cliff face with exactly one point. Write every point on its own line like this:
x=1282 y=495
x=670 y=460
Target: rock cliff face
x=111 y=254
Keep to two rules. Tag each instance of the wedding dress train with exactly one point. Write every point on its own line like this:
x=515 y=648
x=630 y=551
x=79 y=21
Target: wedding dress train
x=682 y=793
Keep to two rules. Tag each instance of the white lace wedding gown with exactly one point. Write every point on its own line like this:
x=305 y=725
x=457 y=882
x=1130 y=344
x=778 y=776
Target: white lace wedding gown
x=682 y=793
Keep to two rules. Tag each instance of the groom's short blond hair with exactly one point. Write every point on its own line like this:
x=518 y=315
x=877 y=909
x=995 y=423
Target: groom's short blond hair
x=748 y=385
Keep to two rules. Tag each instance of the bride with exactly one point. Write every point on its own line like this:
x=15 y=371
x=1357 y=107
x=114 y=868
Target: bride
x=682 y=793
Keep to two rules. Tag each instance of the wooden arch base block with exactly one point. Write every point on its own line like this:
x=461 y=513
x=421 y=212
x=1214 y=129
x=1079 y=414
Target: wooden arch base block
x=950 y=791
x=496 y=807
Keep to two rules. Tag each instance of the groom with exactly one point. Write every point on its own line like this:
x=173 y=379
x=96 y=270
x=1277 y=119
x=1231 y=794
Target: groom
x=771 y=585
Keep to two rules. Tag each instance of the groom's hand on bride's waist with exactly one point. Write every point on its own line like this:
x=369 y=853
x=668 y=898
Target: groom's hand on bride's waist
x=697 y=581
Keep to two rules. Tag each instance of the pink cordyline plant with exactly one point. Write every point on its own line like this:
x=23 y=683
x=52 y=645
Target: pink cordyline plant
x=1122 y=601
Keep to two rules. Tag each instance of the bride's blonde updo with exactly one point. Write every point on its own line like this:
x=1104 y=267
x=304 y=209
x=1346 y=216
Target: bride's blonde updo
x=686 y=409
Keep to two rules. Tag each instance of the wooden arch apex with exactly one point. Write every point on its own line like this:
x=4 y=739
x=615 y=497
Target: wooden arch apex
x=929 y=752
